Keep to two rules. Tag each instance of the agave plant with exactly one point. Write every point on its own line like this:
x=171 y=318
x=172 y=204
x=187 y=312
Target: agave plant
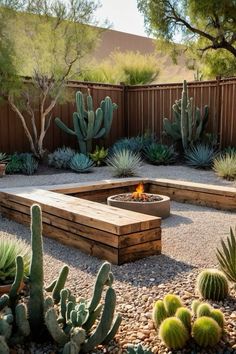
x=10 y=248
x=29 y=164
x=159 y=154
x=4 y=159
x=61 y=157
x=227 y=256
x=99 y=155
x=81 y=163
x=124 y=163
x=139 y=349
x=231 y=150
x=225 y=166
x=200 y=156
x=134 y=144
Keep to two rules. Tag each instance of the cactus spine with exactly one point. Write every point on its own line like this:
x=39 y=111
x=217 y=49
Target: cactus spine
x=173 y=333
x=36 y=299
x=89 y=124
x=212 y=284
x=206 y=331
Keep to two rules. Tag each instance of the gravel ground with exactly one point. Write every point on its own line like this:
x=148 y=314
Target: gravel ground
x=177 y=172
x=190 y=237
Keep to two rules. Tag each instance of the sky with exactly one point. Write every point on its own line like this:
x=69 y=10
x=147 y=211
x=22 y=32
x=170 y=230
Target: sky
x=123 y=15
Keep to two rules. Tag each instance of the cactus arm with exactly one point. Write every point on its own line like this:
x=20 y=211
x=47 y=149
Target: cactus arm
x=89 y=103
x=53 y=327
x=36 y=299
x=91 y=120
x=4 y=300
x=51 y=286
x=108 y=107
x=5 y=329
x=21 y=320
x=172 y=129
x=98 y=336
x=48 y=303
x=3 y=346
x=79 y=103
x=18 y=279
x=98 y=121
x=190 y=118
x=100 y=134
x=111 y=334
x=64 y=127
x=60 y=283
x=92 y=318
x=71 y=348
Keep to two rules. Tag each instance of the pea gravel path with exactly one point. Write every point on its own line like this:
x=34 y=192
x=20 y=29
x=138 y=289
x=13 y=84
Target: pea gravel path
x=190 y=237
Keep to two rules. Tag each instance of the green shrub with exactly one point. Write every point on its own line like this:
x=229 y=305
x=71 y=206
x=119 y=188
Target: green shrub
x=206 y=332
x=159 y=154
x=61 y=157
x=227 y=256
x=124 y=163
x=81 y=163
x=10 y=248
x=212 y=284
x=225 y=166
x=173 y=333
x=200 y=156
x=99 y=155
x=172 y=303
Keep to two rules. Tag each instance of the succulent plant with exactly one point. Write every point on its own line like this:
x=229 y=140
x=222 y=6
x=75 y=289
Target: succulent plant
x=212 y=284
x=124 y=163
x=159 y=154
x=200 y=156
x=218 y=316
x=173 y=333
x=4 y=158
x=61 y=157
x=29 y=164
x=81 y=163
x=185 y=316
x=159 y=313
x=10 y=248
x=89 y=124
x=230 y=150
x=204 y=309
x=138 y=350
x=206 y=331
x=225 y=166
x=99 y=155
x=195 y=305
x=172 y=303
x=134 y=144
x=227 y=256
x=14 y=165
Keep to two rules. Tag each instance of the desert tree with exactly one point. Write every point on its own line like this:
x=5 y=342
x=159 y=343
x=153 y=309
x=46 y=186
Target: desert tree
x=47 y=41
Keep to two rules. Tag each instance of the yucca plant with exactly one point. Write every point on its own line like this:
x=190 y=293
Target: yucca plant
x=61 y=157
x=200 y=156
x=124 y=163
x=231 y=150
x=225 y=166
x=227 y=256
x=81 y=163
x=4 y=158
x=159 y=154
x=99 y=155
x=10 y=248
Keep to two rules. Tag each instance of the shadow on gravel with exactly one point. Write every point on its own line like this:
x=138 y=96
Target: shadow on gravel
x=175 y=219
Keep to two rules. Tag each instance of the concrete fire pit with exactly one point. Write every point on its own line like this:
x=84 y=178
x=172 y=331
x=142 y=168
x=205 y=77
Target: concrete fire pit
x=159 y=208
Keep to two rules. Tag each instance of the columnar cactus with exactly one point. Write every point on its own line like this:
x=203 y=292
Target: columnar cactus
x=89 y=124
x=3 y=346
x=173 y=333
x=212 y=284
x=36 y=298
x=206 y=331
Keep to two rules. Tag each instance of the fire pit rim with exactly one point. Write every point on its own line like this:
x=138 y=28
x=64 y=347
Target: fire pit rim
x=164 y=198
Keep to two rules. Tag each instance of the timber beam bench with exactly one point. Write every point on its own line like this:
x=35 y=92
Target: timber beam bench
x=76 y=214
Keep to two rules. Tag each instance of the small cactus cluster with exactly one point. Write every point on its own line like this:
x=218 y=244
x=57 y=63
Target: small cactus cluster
x=212 y=284
x=70 y=323
x=177 y=324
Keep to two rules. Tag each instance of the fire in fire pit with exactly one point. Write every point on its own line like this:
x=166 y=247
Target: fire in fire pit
x=141 y=202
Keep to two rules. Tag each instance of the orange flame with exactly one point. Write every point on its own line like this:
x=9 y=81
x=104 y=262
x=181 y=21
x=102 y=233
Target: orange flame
x=139 y=192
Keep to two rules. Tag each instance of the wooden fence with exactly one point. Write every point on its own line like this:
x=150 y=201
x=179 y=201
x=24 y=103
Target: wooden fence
x=140 y=108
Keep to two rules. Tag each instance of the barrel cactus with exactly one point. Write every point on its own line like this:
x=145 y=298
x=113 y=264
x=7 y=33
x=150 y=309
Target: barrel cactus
x=195 y=305
x=173 y=333
x=218 y=316
x=159 y=313
x=206 y=332
x=212 y=284
x=172 y=303
x=203 y=310
x=185 y=316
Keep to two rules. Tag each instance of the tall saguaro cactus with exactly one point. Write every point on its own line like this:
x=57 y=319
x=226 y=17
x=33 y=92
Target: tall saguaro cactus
x=89 y=124
x=36 y=298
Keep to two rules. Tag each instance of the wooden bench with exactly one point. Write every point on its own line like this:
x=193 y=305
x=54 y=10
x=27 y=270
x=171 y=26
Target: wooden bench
x=100 y=230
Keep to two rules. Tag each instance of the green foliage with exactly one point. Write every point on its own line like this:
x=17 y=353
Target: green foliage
x=61 y=157
x=227 y=256
x=159 y=313
x=200 y=156
x=138 y=350
x=10 y=248
x=99 y=155
x=15 y=164
x=188 y=125
x=159 y=154
x=206 y=331
x=89 y=124
x=81 y=163
x=172 y=303
x=24 y=163
x=212 y=284
x=124 y=163
x=173 y=333
x=3 y=158
x=225 y=166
